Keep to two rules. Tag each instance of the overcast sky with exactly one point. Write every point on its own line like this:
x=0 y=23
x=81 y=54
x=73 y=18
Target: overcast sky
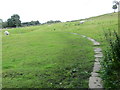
x=44 y=10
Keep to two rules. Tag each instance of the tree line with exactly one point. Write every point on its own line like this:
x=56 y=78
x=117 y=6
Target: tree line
x=14 y=21
x=32 y=23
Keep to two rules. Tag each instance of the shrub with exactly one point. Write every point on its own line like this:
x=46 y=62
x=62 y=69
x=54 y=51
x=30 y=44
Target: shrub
x=111 y=63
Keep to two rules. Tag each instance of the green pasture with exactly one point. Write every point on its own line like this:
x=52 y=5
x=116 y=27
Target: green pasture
x=49 y=56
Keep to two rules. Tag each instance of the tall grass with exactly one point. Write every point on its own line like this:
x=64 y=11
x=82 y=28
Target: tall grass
x=111 y=62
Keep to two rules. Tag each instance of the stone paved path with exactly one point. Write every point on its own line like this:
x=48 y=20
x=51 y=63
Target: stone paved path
x=95 y=81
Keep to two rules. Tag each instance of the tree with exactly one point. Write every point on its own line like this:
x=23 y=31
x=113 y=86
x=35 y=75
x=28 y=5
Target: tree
x=4 y=24
x=116 y=3
x=1 y=23
x=14 y=21
x=37 y=22
x=10 y=23
x=114 y=7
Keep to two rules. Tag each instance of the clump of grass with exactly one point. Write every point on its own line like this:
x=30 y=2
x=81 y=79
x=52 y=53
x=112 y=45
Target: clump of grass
x=111 y=62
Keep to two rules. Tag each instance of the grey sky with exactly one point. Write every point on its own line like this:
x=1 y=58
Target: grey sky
x=44 y=10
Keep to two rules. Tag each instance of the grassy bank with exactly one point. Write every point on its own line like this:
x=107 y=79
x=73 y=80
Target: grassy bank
x=49 y=56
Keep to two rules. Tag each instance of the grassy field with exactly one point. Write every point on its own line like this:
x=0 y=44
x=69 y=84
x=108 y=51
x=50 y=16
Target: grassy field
x=49 y=56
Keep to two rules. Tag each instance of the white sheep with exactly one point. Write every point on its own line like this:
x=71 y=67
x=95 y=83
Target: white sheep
x=6 y=33
x=81 y=22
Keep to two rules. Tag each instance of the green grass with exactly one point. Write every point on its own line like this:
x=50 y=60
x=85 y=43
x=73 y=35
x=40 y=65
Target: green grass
x=46 y=59
x=49 y=56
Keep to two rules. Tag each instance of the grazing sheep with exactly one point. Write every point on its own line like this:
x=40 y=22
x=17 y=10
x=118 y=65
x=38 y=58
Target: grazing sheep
x=81 y=22
x=6 y=33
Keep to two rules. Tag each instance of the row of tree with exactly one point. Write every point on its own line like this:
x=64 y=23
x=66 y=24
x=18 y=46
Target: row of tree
x=30 y=23
x=51 y=21
x=15 y=21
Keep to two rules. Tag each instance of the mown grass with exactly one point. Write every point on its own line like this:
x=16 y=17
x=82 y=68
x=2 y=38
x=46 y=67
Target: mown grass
x=44 y=59
x=49 y=56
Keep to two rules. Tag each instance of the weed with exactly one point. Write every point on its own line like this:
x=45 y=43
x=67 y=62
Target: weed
x=111 y=62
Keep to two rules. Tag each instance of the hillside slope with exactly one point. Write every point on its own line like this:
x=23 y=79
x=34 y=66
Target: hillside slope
x=49 y=56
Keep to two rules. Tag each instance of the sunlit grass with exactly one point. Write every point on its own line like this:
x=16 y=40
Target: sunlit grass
x=49 y=56
x=46 y=59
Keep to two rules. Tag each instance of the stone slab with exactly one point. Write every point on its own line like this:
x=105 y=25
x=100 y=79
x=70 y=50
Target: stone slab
x=83 y=35
x=100 y=55
x=96 y=43
x=97 y=59
x=93 y=74
x=97 y=63
x=96 y=52
x=90 y=39
x=95 y=82
x=96 y=68
x=97 y=49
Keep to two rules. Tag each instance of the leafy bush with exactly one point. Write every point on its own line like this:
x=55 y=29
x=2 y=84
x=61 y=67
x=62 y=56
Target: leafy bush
x=111 y=63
